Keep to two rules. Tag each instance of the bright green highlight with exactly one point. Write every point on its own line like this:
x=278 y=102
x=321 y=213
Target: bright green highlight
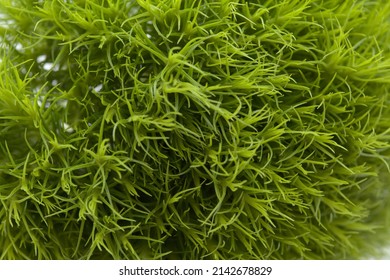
x=197 y=129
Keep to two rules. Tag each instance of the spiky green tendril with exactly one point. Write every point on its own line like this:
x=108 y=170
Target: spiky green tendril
x=194 y=129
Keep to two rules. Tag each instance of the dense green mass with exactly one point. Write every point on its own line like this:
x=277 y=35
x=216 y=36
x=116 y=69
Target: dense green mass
x=194 y=129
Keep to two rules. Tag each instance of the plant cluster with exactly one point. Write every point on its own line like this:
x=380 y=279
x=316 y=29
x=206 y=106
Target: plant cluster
x=194 y=129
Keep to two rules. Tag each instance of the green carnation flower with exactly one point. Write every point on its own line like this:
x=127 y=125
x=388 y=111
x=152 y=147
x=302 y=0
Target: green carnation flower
x=194 y=129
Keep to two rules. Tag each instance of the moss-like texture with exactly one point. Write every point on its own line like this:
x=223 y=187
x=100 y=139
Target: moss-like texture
x=194 y=129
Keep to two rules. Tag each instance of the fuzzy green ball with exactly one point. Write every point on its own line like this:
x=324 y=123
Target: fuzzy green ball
x=194 y=129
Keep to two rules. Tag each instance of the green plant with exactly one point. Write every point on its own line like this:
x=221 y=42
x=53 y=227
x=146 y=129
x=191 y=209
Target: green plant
x=196 y=129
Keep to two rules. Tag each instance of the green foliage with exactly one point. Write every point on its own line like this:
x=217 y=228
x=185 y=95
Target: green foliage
x=194 y=129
